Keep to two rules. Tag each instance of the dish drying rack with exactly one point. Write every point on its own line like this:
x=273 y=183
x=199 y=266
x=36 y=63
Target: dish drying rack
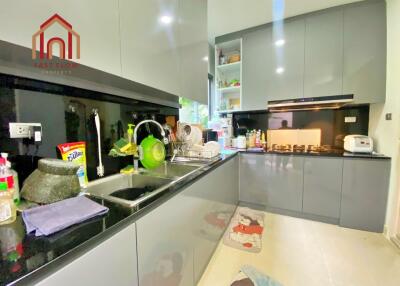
x=187 y=150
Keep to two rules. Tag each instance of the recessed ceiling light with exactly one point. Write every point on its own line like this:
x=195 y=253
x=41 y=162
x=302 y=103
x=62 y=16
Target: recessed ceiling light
x=166 y=19
x=280 y=70
x=205 y=59
x=280 y=43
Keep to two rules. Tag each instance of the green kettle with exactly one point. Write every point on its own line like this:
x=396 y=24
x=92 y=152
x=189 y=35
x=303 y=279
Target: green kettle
x=152 y=152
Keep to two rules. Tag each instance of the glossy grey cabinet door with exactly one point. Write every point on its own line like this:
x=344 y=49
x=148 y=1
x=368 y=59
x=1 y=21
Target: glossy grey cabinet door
x=192 y=48
x=285 y=182
x=262 y=58
x=253 y=178
x=272 y=180
x=364 y=71
x=113 y=262
x=324 y=54
x=216 y=197
x=165 y=244
x=364 y=194
x=322 y=186
x=176 y=240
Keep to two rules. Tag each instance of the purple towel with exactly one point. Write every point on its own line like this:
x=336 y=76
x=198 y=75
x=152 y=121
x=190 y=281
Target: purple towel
x=48 y=219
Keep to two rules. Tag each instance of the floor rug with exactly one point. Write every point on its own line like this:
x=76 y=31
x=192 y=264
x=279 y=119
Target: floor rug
x=245 y=230
x=250 y=276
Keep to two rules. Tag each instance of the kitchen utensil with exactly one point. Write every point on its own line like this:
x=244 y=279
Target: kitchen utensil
x=152 y=153
x=209 y=135
x=211 y=149
x=241 y=142
x=52 y=181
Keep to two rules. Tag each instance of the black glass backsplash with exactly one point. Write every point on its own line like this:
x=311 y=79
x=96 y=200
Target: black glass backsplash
x=330 y=121
x=66 y=116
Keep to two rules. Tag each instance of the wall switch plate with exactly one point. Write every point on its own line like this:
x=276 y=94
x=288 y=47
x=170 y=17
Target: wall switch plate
x=25 y=130
x=350 y=119
x=388 y=116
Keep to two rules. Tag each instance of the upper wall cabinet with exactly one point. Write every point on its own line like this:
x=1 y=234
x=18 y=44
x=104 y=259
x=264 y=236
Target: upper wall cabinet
x=193 y=50
x=273 y=64
x=324 y=54
x=149 y=41
x=164 y=45
x=341 y=50
x=98 y=29
x=364 y=71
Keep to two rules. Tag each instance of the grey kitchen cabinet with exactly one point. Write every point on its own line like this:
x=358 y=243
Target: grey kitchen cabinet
x=272 y=180
x=166 y=56
x=364 y=70
x=273 y=71
x=364 y=194
x=113 y=262
x=253 y=179
x=192 y=49
x=322 y=186
x=149 y=46
x=176 y=240
x=165 y=243
x=323 y=71
x=217 y=196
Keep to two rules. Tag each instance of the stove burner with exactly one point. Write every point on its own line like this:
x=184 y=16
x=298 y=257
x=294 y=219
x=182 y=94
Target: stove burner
x=299 y=148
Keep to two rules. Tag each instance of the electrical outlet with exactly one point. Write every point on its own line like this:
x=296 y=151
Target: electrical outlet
x=24 y=130
x=350 y=119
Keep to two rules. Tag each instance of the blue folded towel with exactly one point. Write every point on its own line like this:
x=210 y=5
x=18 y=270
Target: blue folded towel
x=258 y=278
x=48 y=219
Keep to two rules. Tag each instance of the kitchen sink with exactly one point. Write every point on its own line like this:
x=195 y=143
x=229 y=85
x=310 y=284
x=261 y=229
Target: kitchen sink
x=137 y=190
x=128 y=190
x=173 y=170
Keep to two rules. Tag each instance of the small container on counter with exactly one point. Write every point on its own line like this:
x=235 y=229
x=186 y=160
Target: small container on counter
x=8 y=211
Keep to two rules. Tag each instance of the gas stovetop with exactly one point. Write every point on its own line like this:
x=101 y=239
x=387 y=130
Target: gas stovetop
x=289 y=148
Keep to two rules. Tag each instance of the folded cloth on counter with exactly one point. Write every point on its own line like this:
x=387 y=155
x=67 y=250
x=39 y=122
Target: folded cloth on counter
x=48 y=219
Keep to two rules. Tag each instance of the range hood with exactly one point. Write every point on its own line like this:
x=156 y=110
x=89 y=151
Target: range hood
x=311 y=103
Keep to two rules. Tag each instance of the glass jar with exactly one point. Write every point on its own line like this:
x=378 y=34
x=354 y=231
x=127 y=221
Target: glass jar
x=8 y=212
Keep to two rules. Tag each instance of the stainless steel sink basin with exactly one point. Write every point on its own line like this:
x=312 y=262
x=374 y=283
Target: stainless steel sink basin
x=173 y=170
x=128 y=190
x=136 y=190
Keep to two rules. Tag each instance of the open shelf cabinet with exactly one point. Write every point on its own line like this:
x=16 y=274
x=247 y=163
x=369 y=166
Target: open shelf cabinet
x=228 y=75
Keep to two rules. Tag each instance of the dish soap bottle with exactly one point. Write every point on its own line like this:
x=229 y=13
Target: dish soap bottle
x=8 y=212
x=15 y=177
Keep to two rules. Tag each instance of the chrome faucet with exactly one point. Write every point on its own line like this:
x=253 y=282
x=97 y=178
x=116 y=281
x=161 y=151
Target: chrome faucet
x=165 y=140
x=100 y=167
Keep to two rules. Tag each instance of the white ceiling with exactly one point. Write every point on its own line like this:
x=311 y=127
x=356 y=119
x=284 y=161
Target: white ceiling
x=227 y=16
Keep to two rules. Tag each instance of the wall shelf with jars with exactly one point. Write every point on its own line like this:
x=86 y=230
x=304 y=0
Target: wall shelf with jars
x=228 y=75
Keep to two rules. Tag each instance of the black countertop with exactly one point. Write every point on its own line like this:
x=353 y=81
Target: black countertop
x=26 y=259
x=337 y=154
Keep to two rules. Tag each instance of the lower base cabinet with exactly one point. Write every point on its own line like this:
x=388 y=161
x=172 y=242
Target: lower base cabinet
x=113 y=262
x=322 y=186
x=272 y=180
x=176 y=240
x=364 y=194
x=351 y=192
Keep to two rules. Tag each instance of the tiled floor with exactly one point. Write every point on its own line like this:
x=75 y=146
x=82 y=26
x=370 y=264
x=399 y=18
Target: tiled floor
x=301 y=252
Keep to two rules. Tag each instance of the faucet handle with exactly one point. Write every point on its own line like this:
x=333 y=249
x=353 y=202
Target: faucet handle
x=165 y=140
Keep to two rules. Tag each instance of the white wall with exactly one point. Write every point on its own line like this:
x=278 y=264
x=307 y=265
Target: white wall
x=387 y=133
